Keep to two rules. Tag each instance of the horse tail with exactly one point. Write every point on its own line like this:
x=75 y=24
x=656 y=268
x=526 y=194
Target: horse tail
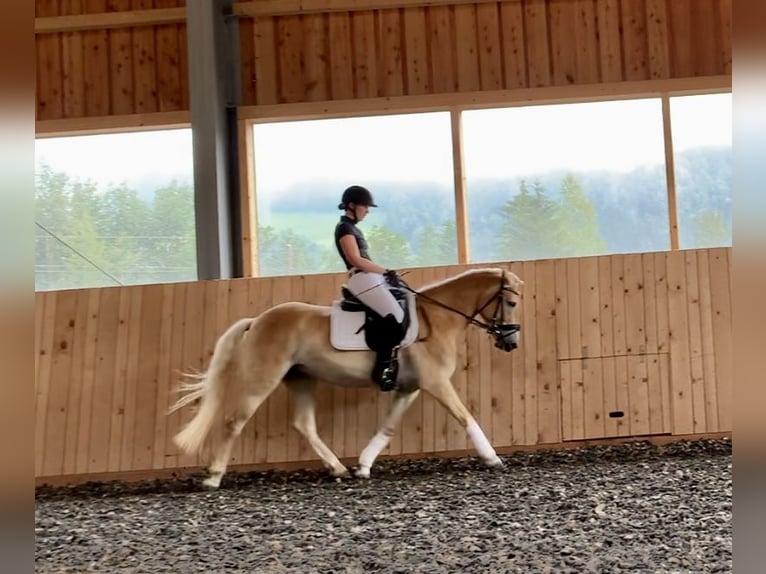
x=209 y=389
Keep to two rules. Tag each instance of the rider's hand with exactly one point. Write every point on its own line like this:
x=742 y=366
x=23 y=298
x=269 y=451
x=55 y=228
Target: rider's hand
x=392 y=278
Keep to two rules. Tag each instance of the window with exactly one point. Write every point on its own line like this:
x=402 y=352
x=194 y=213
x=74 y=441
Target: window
x=114 y=209
x=702 y=153
x=302 y=168
x=566 y=180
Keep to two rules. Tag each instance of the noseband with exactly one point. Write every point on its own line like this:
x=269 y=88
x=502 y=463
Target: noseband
x=497 y=327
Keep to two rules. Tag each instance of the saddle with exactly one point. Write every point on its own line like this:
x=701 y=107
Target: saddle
x=356 y=327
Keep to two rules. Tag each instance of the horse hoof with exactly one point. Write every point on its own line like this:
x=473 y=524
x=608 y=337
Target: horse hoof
x=362 y=472
x=495 y=462
x=212 y=482
x=341 y=473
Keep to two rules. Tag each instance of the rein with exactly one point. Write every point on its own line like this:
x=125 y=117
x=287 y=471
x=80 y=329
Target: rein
x=470 y=318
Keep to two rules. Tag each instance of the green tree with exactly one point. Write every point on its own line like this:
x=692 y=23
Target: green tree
x=436 y=245
x=388 y=248
x=711 y=230
x=530 y=227
x=577 y=222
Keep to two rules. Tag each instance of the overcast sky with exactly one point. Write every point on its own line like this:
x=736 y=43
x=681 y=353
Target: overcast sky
x=616 y=135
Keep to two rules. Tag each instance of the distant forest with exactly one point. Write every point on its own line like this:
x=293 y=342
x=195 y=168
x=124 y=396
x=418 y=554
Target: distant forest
x=87 y=236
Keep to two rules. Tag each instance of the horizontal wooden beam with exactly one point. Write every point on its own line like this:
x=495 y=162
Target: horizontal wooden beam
x=128 y=19
x=112 y=124
x=262 y=8
x=485 y=99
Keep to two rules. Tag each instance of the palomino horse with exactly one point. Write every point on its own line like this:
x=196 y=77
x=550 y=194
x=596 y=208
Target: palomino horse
x=290 y=343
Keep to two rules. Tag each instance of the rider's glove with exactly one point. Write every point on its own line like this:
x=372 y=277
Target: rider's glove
x=392 y=278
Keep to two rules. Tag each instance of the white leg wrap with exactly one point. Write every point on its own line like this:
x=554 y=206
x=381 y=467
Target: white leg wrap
x=372 y=450
x=480 y=442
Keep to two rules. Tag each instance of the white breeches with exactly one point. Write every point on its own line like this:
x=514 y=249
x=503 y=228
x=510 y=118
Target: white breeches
x=372 y=290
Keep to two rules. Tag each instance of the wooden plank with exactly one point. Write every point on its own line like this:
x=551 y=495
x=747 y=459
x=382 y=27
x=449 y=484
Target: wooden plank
x=175 y=367
x=490 y=47
x=530 y=352
x=619 y=346
x=364 y=53
x=247 y=59
x=634 y=39
x=50 y=88
x=663 y=334
x=248 y=204
x=108 y=20
x=563 y=42
x=695 y=341
x=266 y=60
x=441 y=41
x=655 y=391
x=120 y=378
x=42 y=387
x=706 y=39
x=341 y=66
x=79 y=345
x=164 y=384
x=587 y=42
x=466 y=48
x=622 y=394
x=315 y=57
x=657 y=38
x=548 y=399
x=121 y=64
x=60 y=383
x=513 y=45
x=461 y=200
x=683 y=415
x=86 y=382
x=707 y=341
x=633 y=295
x=725 y=30
x=574 y=325
x=721 y=308
x=606 y=302
x=415 y=48
x=680 y=32
x=483 y=99
x=183 y=58
x=144 y=66
x=638 y=389
x=40 y=298
x=290 y=58
x=391 y=64
x=565 y=385
x=123 y=414
x=590 y=341
x=538 y=50
x=72 y=66
x=282 y=7
x=168 y=63
x=562 y=309
x=112 y=124
x=649 y=282
x=610 y=44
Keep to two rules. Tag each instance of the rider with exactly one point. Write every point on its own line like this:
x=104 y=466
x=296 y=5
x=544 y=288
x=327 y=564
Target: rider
x=368 y=281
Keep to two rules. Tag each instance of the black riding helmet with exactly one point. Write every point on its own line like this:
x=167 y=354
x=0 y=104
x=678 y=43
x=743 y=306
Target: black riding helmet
x=358 y=195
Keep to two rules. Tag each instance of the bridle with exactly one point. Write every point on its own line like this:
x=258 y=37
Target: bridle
x=497 y=327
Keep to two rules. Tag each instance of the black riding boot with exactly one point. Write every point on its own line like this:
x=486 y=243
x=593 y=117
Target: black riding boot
x=384 y=338
x=386 y=369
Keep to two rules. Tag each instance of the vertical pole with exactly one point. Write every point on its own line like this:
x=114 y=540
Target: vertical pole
x=670 y=173
x=212 y=84
x=458 y=166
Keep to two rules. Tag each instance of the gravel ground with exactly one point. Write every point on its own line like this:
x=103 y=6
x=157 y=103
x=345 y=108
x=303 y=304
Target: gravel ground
x=630 y=508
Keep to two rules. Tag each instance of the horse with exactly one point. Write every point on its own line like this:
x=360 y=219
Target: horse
x=290 y=344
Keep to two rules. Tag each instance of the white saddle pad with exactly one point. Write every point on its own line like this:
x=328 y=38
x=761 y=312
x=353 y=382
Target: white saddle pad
x=345 y=333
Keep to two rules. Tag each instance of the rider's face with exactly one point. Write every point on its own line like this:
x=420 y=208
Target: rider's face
x=361 y=211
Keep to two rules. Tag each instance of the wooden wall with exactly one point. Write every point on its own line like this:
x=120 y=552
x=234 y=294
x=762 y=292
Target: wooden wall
x=304 y=52
x=105 y=72
x=645 y=334
x=482 y=45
